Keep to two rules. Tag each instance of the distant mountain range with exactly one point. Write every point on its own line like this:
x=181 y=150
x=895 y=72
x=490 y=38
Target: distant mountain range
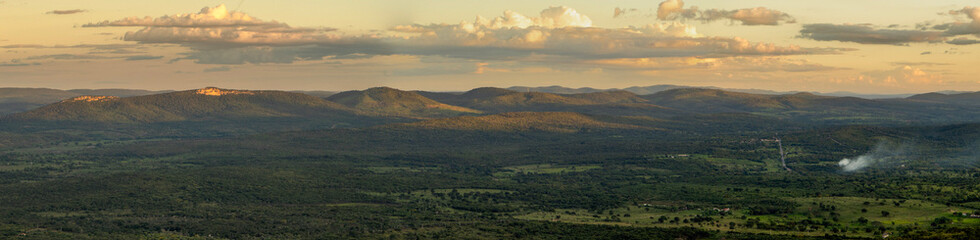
x=488 y=109
x=659 y=88
x=192 y=105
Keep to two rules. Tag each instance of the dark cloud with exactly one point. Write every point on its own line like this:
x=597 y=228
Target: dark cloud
x=622 y=11
x=66 y=12
x=143 y=57
x=92 y=46
x=867 y=34
x=923 y=32
x=963 y=41
x=674 y=9
x=925 y=64
x=218 y=69
x=17 y=63
x=68 y=57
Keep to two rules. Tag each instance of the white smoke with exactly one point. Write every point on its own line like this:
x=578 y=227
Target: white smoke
x=849 y=165
x=884 y=154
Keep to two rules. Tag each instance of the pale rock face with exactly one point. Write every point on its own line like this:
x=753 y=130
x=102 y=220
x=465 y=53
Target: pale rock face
x=213 y=91
x=91 y=99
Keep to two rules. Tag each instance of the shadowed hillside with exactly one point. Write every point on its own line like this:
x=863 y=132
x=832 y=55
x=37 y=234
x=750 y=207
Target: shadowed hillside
x=523 y=121
x=389 y=101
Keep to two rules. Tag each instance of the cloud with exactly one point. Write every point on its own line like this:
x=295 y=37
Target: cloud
x=748 y=16
x=68 y=57
x=965 y=28
x=623 y=11
x=218 y=69
x=17 y=63
x=923 y=32
x=866 y=34
x=92 y=46
x=66 y=12
x=216 y=25
x=920 y=64
x=963 y=41
x=218 y=36
x=218 y=16
x=903 y=75
x=674 y=9
x=747 y=64
x=489 y=39
x=143 y=57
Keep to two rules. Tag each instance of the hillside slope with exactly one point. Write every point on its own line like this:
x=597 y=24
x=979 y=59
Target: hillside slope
x=201 y=104
x=523 y=121
x=389 y=101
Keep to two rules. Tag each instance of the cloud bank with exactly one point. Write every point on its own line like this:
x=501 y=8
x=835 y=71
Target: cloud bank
x=926 y=32
x=867 y=34
x=219 y=36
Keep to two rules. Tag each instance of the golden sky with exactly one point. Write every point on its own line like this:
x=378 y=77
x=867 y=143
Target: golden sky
x=869 y=46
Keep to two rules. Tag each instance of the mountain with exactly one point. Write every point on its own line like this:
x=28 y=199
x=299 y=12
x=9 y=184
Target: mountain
x=713 y=101
x=564 y=90
x=647 y=90
x=969 y=98
x=522 y=121
x=116 y=92
x=319 y=94
x=22 y=99
x=14 y=100
x=814 y=108
x=390 y=101
x=467 y=98
x=192 y=105
x=498 y=100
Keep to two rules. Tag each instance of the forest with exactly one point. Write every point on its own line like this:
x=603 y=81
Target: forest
x=482 y=173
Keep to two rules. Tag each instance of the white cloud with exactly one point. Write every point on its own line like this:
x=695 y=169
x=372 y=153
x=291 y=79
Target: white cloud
x=904 y=75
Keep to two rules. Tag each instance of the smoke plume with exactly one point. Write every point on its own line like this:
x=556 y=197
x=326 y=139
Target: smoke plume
x=884 y=154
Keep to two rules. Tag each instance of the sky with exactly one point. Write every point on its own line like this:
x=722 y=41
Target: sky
x=866 y=46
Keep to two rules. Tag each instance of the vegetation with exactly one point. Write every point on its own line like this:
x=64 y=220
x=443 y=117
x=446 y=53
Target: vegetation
x=276 y=165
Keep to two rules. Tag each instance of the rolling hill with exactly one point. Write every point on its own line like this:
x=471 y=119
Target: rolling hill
x=394 y=102
x=971 y=98
x=192 y=105
x=13 y=100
